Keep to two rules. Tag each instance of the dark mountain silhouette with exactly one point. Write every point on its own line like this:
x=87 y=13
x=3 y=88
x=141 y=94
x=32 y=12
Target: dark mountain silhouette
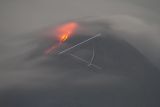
x=126 y=78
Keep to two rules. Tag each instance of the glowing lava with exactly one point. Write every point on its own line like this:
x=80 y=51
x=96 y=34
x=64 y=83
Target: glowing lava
x=63 y=33
x=64 y=37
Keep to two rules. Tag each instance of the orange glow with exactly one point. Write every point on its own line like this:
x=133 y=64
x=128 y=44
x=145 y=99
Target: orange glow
x=65 y=31
x=50 y=49
x=64 y=37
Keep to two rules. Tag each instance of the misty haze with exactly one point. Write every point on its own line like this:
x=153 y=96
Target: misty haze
x=79 y=53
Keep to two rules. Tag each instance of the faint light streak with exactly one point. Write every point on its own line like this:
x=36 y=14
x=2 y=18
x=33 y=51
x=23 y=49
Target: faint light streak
x=97 y=35
x=83 y=60
x=49 y=50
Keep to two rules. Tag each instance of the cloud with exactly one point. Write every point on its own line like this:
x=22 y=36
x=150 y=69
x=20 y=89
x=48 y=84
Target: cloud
x=28 y=78
x=144 y=36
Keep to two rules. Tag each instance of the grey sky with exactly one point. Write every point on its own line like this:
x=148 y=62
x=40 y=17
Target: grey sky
x=29 y=79
x=21 y=16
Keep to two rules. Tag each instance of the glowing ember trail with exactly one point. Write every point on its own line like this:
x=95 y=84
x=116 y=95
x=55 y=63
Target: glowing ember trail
x=51 y=49
x=63 y=33
x=64 y=37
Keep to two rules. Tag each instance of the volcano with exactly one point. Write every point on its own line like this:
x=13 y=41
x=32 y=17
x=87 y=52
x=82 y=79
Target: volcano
x=105 y=71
